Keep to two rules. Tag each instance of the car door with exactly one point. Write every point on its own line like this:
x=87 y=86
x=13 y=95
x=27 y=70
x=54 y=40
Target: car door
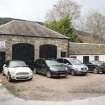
x=90 y=66
x=60 y=60
x=44 y=68
x=67 y=63
x=38 y=66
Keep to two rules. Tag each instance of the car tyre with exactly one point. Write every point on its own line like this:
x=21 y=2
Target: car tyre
x=103 y=72
x=96 y=71
x=30 y=79
x=9 y=77
x=73 y=73
x=49 y=74
x=35 y=71
x=85 y=74
x=3 y=73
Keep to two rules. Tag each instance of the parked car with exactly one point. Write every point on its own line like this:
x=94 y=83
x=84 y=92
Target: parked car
x=17 y=70
x=75 y=66
x=90 y=66
x=50 y=68
x=96 y=66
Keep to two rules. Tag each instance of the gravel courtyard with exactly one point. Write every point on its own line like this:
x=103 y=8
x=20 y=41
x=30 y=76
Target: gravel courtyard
x=60 y=89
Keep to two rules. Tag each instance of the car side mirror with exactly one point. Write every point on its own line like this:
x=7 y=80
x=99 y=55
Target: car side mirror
x=43 y=65
x=4 y=65
x=67 y=63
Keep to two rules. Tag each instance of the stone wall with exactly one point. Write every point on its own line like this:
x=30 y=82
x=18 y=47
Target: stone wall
x=62 y=44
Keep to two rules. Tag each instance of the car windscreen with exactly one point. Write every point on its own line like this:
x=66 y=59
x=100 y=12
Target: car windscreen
x=52 y=62
x=17 y=64
x=75 y=61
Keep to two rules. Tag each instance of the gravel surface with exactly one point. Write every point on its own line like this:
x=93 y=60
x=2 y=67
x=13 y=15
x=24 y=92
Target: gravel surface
x=59 y=89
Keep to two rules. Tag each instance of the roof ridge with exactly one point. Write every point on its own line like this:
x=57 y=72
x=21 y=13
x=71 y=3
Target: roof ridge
x=87 y=43
x=8 y=28
x=51 y=30
x=7 y=23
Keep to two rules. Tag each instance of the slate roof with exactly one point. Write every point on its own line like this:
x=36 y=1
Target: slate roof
x=87 y=49
x=28 y=28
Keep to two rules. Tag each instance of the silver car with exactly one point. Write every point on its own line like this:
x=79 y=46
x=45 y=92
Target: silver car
x=75 y=66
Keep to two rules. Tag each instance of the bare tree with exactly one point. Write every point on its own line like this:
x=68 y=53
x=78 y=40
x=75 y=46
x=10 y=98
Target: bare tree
x=95 y=24
x=79 y=23
x=64 y=8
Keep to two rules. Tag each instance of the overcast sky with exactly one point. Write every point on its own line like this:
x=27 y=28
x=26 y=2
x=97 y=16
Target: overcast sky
x=36 y=9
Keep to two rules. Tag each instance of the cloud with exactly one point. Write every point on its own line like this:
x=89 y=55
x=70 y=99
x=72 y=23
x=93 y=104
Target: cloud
x=36 y=9
x=26 y=9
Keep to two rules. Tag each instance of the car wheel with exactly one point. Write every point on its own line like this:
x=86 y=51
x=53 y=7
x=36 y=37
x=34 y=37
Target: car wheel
x=3 y=73
x=96 y=71
x=103 y=72
x=85 y=74
x=35 y=72
x=9 y=77
x=30 y=79
x=73 y=73
x=49 y=74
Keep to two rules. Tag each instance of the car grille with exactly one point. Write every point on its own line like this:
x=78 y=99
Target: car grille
x=22 y=78
x=61 y=72
x=22 y=73
x=83 y=68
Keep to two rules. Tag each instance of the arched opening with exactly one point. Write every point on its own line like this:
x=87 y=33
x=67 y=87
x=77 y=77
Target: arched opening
x=23 y=51
x=48 y=51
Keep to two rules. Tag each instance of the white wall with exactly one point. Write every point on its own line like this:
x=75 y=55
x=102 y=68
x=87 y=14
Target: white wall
x=91 y=57
x=102 y=57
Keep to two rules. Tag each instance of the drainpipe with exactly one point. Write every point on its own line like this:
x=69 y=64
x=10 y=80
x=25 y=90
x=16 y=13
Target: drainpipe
x=68 y=49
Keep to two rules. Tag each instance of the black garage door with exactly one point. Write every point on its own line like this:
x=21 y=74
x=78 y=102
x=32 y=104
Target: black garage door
x=2 y=60
x=23 y=51
x=48 y=51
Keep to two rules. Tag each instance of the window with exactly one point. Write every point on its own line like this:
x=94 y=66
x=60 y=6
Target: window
x=85 y=59
x=66 y=62
x=96 y=58
x=60 y=60
x=7 y=63
x=17 y=64
x=43 y=65
x=38 y=63
x=63 y=54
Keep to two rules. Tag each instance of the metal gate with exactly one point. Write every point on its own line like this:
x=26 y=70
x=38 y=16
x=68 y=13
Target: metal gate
x=48 y=51
x=23 y=51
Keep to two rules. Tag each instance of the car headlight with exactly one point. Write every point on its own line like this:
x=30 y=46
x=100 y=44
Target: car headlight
x=87 y=68
x=30 y=72
x=12 y=73
x=84 y=68
x=66 y=68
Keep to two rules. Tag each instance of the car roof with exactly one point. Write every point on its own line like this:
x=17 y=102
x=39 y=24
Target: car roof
x=44 y=59
x=67 y=58
x=15 y=60
x=96 y=61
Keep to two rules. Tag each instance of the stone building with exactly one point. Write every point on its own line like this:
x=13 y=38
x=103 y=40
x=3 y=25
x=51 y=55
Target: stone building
x=86 y=52
x=27 y=40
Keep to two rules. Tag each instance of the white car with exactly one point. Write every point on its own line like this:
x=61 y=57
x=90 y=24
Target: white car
x=17 y=70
